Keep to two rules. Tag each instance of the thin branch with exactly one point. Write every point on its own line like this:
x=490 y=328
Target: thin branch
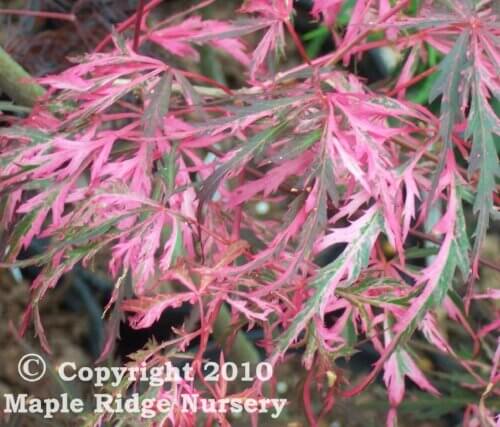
x=298 y=42
x=138 y=21
x=412 y=81
x=338 y=54
x=126 y=24
x=431 y=238
x=17 y=83
x=39 y=14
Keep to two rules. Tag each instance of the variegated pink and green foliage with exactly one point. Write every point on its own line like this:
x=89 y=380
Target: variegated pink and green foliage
x=115 y=162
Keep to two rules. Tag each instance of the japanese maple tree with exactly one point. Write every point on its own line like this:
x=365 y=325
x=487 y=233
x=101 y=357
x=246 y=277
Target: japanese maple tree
x=134 y=155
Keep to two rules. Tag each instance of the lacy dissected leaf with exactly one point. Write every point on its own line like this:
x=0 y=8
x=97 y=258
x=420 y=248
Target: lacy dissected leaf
x=307 y=164
x=436 y=279
x=481 y=126
x=315 y=208
x=157 y=107
x=296 y=146
x=179 y=39
x=462 y=244
x=22 y=229
x=439 y=275
x=380 y=292
x=250 y=148
x=276 y=13
x=399 y=366
x=243 y=116
x=149 y=309
x=450 y=86
x=327 y=10
x=345 y=269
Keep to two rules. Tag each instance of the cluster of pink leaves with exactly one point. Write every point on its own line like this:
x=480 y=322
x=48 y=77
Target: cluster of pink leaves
x=115 y=159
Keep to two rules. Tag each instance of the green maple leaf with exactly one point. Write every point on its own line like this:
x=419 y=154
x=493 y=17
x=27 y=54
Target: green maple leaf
x=482 y=124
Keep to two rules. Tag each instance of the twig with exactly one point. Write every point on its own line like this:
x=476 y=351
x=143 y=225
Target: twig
x=138 y=21
x=338 y=54
x=17 y=83
x=412 y=81
x=434 y=239
x=298 y=42
x=125 y=24
x=39 y=14
x=242 y=349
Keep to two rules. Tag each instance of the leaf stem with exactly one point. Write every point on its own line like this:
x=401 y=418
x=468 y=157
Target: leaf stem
x=412 y=81
x=138 y=21
x=298 y=42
